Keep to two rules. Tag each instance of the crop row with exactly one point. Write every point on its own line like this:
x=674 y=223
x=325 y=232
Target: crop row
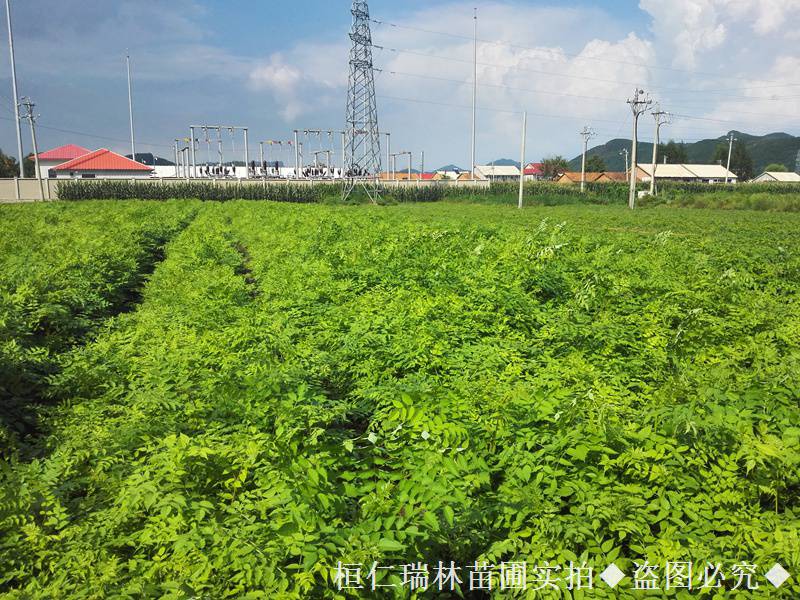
x=66 y=270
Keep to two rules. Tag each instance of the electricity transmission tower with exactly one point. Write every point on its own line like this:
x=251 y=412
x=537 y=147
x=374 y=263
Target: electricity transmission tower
x=362 y=162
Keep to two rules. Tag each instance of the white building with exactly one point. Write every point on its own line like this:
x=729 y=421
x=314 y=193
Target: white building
x=58 y=156
x=690 y=173
x=777 y=177
x=102 y=164
x=502 y=173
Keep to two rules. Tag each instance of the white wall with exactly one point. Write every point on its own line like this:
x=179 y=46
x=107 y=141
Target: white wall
x=104 y=174
x=46 y=165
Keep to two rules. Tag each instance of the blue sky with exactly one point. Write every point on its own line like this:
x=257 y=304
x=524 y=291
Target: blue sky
x=279 y=66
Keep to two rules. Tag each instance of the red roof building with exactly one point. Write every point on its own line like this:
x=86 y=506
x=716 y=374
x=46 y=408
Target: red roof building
x=102 y=163
x=534 y=171
x=64 y=153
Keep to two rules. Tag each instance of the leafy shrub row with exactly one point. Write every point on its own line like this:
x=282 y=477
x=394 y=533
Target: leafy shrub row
x=109 y=189
x=64 y=272
x=304 y=385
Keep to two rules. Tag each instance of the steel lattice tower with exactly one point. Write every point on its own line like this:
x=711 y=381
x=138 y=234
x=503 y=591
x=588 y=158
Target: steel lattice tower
x=362 y=163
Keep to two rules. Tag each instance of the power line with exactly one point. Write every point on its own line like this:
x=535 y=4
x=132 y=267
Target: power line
x=582 y=57
x=91 y=135
x=546 y=92
x=564 y=75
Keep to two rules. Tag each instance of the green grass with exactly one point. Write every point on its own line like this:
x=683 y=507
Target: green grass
x=302 y=384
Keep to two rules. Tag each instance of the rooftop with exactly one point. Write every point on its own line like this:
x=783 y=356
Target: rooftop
x=102 y=160
x=67 y=152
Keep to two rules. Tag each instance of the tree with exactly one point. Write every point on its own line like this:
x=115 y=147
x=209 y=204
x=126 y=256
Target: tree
x=674 y=153
x=29 y=165
x=776 y=168
x=595 y=164
x=8 y=166
x=741 y=162
x=554 y=166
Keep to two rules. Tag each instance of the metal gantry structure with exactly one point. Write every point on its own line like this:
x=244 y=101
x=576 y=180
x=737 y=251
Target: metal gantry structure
x=362 y=160
x=231 y=129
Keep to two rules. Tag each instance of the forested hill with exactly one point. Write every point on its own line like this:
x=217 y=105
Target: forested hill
x=779 y=148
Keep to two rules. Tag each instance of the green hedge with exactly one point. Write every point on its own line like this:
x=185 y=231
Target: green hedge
x=142 y=190
x=676 y=193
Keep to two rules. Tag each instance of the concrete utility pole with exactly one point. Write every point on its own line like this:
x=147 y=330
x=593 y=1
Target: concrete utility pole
x=639 y=104
x=192 y=153
x=586 y=134
x=20 y=156
x=522 y=159
x=422 y=164
x=29 y=106
x=296 y=156
x=627 y=174
x=388 y=151
x=474 y=86
x=177 y=166
x=246 y=155
x=130 y=105
x=662 y=118
x=730 y=153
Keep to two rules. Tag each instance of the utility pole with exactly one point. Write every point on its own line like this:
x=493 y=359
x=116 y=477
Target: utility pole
x=586 y=134
x=730 y=153
x=627 y=174
x=26 y=102
x=474 y=86
x=246 y=155
x=193 y=155
x=296 y=156
x=20 y=156
x=130 y=105
x=177 y=172
x=639 y=104
x=662 y=118
x=522 y=158
x=422 y=164
x=388 y=151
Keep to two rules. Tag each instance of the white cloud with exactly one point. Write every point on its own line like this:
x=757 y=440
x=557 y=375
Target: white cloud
x=571 y=67
x=691 y=28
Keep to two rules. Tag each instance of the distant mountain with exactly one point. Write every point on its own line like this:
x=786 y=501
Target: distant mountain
x=147 y=158
x=766 y=149
x=504 y=162
x=450 y=168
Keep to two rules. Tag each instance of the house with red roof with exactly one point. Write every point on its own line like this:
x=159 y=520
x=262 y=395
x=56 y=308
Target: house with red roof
x=534 y=171
x=104 y=164
x=58 y=156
